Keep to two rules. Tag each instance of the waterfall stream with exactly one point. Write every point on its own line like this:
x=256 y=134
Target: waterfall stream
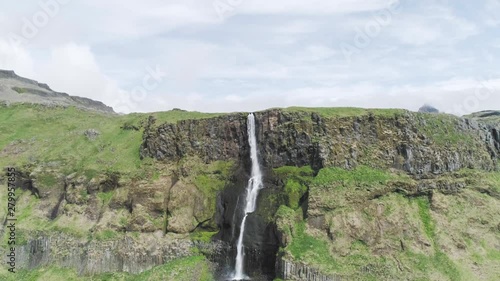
x=253 y=188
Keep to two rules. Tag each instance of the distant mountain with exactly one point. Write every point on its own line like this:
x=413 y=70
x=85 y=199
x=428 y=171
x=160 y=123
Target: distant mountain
x=17 y=89
x=428 y=109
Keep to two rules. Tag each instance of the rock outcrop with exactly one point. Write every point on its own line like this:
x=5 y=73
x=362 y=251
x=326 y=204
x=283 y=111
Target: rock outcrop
x=416 y=143
x=128 y=254
x=428 y=148
x=288 y=270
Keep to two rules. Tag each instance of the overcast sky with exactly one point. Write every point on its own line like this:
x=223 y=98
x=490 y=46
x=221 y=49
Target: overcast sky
x=247 y=55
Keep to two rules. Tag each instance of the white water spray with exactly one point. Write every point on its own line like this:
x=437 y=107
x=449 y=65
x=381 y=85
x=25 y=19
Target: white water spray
x=253 y=188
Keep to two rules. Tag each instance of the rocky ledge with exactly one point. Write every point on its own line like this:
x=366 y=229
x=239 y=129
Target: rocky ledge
x=417 y=143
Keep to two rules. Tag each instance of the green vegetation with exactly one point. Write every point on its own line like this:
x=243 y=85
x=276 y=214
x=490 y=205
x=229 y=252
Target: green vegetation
x=296 y=181
x=106 y=235
x=308 y=248
x=55 y=134
x=194 y=268
x=70 y=230
x=213 y=177
x=295 y=191
x=487 y=181
x=442 y=129
x=31 y=220
x=286 y=219
x=493 y=254
x=202 y=236
x=269 y=201
x=84 y=194
x=21 y=239
x=123 y=221
x=363 y=222
x=445 y=265
x=359 y=263
x=439 y=261
x=425 y=215
x=105 y=196
x=493 y=181
x=302 y=174
x=47 y=180
x=348 y=246
x=362 y=175
x=346 y=111
x=19 y=90
x=90 y=174
x=209 y=178
x=493 y=119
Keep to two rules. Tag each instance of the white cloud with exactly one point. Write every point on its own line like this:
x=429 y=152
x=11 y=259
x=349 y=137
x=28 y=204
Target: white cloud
x=149 y=17
x=318 y=52
x=16 y=58
x=269 y=54
x=434 y=25
x=491 y=13
x=297 y=27
x=94 y=21
x=312 y=7
x=413 y=33
x=73 y=68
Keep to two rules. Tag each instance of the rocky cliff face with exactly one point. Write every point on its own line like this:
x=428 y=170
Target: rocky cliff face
x=226 y=138
x=295 y=271
x=426 y=147
x=68 y=222
x=129 y=254
x=416 y=143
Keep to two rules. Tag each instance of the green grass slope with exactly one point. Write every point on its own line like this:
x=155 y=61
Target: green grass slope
x=370 y=224
x=35 y=134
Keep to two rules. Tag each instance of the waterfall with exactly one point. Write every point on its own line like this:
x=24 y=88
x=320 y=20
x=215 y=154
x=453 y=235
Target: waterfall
x=253 y=187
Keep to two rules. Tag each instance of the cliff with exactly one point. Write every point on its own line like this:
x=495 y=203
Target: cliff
x=351 y=194
x=431 y=160
x=415 y=143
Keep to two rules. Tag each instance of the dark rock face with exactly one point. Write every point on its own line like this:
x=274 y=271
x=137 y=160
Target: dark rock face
x=407 y=141
x=285 y=140
x=260 y=239
x=220 y=138
x=295 y=271
x=281 y=140
x=125 y=255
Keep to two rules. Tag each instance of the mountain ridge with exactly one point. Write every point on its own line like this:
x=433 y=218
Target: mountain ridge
x=17 y=89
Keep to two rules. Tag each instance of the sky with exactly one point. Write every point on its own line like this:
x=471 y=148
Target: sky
x=250 y=55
